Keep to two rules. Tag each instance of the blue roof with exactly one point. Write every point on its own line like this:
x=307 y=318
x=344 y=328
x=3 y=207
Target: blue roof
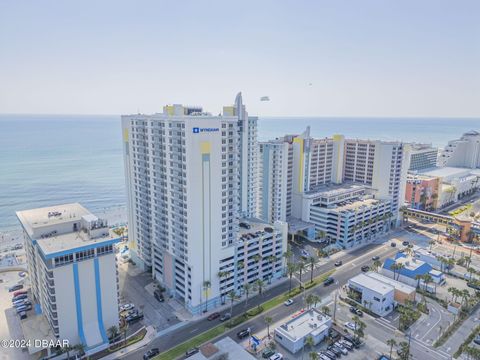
x=420 y=270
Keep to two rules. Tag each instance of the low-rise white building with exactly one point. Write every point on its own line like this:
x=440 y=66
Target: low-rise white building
x=374 y=295
x=293 y=333
x=225 y=348
x=73 y=272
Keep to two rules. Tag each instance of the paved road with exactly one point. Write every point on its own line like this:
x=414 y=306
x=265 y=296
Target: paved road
x=352 y=263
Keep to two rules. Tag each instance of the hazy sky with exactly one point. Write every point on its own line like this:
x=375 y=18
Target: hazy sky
x=362 y=57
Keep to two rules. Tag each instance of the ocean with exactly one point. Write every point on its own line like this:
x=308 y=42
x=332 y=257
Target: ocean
x=53 y=159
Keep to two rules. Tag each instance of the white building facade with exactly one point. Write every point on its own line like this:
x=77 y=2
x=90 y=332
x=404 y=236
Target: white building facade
x=73 y=272
x=463 y=152
x=191 y=176
x=423 y=156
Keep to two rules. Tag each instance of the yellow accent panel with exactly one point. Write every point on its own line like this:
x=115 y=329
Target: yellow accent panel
x=170 y=109
x=337 y=137
x=205 y=147
x=300 y=172
x=125 y=135
x=229 y=111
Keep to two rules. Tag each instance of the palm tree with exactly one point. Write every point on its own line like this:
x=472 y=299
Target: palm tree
x=80 y=348
x=399 y=269
x=271 y=259
x=113 y=332
x=359 y=327
x=288 y=254
x=247 y=287
x=291 y=268
x=418 y=277
x=313 y=355
x=376 y=265
x=326 y=310
x=259 y=286
x=268 y=321
x=308 y=342
x=391 y=343
x=206 y=285
x=465 y=294
x=311 y=261
x=315 y=299
x=404 y=350
x=300 y=267
x=431 y=243
x=427 y=278
x=309 y=300
x=221 y=275
x=232 y=296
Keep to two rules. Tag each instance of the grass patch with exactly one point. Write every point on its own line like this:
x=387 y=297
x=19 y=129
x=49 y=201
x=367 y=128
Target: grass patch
x=460 y=210
x=465 y=344
x=132 y=340
x=198 y=340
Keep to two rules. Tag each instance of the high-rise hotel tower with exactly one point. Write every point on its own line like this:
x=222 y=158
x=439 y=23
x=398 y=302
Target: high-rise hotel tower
x=191 y=184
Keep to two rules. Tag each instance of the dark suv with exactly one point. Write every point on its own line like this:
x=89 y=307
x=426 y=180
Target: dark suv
x=330 y=280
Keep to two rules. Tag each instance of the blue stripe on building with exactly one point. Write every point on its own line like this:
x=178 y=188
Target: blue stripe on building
x=99 y=301
x=78 y=303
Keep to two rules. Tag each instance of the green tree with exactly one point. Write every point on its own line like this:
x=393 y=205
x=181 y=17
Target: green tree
x=360 y=326
x=313 y=355
x=311 y=261
x=291 y=268
x=391 y=343
x=113 y=332
x=247 y=287
x=206 y=286
x=259 y=284
x=268 y=321
x=326 y=310
x=376 y=265
x=308 y=342
x=404 y=353
x=300 y=267
x=232 y=296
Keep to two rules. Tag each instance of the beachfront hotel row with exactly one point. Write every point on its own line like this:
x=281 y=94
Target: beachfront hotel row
x=205 y=198
x=210 y=209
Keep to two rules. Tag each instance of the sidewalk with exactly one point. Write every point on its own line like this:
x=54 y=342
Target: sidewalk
x=149 y=336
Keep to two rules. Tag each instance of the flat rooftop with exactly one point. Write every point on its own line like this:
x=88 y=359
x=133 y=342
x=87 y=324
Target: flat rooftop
x=331 y=190
x=445 y=171
x=372 y=284
x=223 y=346
x=56 y=220
x=52 y=215
x=358 y=204
x=72 y=241
x=396 y=284
x=255 y=228
x=310 y=322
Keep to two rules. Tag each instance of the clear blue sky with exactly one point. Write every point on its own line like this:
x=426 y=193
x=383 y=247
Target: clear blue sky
x=362 y=57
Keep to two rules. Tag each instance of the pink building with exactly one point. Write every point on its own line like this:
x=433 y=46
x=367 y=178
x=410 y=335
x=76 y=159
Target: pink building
x=422 y=192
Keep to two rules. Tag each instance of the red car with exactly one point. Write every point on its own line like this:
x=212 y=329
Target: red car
x=213 y=316
x=21 y=292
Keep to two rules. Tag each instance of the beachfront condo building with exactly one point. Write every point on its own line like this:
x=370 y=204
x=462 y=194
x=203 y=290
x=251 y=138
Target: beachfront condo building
x=422 y=156
x=320 y=167
x=463 y=152
x=73 y=272
x=192 y=196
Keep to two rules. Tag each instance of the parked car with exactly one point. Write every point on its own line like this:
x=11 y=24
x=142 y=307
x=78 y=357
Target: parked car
x=365 y=268
x=323 y=356
x=474 y=285
x=346 y=344
x=334 y=350
x=159 y=295
x=22 y=315
x=276 y=356
x=126 y=307
x=338 y=263
x=305 y=254
x=151 y=353
x=326 y=356
x=15 y=287
x=477 y=340
x=22 y=274
x=191 y=352
x=242 y=334
x=392 y=244
x=134 y=318
x=213 y=316
x=24 y=308
x=19 y=297
x=288 y=302
x=405 y=243
x=331 y=354
x=225 y=316
x=267 y=353
x=375 y=258
x=329 y=281
x=356 y=311
x=350 y=325
x=342 y=348
x=20 y=292
x=26 y=302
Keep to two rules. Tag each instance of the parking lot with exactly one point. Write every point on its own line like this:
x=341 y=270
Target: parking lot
x=137 y=287
x=10 y=328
